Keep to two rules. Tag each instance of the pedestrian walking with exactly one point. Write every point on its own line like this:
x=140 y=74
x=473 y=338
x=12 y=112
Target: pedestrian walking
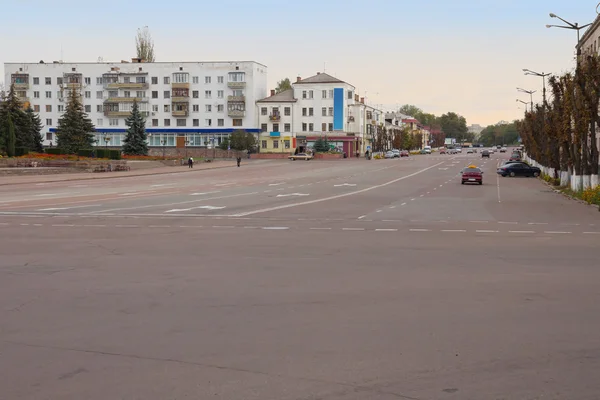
x=191 y=162
x=239 y=161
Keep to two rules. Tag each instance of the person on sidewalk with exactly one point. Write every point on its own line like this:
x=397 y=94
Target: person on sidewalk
x=191 y=162
x=239 y=161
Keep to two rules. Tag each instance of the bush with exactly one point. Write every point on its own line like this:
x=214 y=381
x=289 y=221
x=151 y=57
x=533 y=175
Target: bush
x=54 y=150
x=114 y=154
x=21 y=151
x=102 y=153
x=86 y=153
x=591 y=195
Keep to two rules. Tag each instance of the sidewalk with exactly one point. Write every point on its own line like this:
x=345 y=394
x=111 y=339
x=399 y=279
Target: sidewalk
x=28 y=179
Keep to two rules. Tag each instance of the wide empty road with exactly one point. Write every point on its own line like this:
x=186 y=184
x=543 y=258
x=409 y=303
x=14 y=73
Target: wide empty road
x=342 y=280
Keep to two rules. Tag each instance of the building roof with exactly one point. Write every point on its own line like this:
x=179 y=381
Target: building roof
x=320 y=77
x=287 y=96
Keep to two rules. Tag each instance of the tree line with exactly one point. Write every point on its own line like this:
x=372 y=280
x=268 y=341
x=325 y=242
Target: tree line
x=561 y=133
x=20 y=129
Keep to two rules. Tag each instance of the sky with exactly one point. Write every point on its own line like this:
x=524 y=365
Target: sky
x=440 y=55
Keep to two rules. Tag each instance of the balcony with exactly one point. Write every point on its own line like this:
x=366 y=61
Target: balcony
x=238 y=99
x=236 y=85
x=178 y=85
x=180 y=99
x=275 y=117
x=125 y=99
x=123 y=113
x=180 y=113
x=21 y=85
x=236 y=113
x=24 y=100
x=124 y=85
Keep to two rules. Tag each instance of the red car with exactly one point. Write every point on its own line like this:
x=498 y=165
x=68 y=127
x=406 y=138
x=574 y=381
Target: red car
x=472 y=174
x=404 y=153
x=442 y=151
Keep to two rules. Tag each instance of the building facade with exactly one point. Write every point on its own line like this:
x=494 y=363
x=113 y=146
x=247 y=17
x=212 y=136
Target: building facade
x=185 y=103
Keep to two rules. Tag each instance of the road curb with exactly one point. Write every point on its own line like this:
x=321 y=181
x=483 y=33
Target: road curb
x=113 y=177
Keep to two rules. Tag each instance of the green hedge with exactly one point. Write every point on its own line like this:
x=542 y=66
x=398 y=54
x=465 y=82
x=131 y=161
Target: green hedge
x=86 y=153
x=114 y=154
x=102 y=153
x=21 y=151
x=53 y=150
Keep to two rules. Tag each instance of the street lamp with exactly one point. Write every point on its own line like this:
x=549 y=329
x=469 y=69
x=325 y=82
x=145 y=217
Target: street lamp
x=106 y=140
x=572 y=26
x=524 y=102
x=187 y=142
x=530 y=93
x=543 y=76
x=163 y=142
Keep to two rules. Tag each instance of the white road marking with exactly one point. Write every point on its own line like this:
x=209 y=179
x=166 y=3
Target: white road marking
x=403 y=204
x=537 y=223
x=509 y=222
x=195 y=208
x=277 y=184
x=479 y=222
x=443 y=169
x=134 y=193
x=63 y=225
x=67 y=208
x=223 y=226
x=336 y=196
x=362 y=216
x=422 y=195
x=345 y=184
x=203 y=193
x=379 y=211
x=557 y=232
x=95 y=226
x=420 y=230
x=53 y=194
x=275 y=228
x=159 y=226
x=293 y=194
x=521 y=232
x=386 y=230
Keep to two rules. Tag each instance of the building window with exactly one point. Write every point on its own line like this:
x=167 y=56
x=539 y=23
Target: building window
x=48 y=135
x=167 y=94
x=304 y=112
x=181 y=77
x=140 y=79
x=220 y=122
x=99 y=108
x=263 y=111
x=196 y=122
x=59 y=94
x=154 y=122
x=263 y=144
x=275 y=127
x=140 y=94
x=275 y=144
x=48 y=121
x=304 y=94
x=61 y=108
x=195 y=94
x=59 y=81
x=155 y=94
x=167 y=122
x=207 y=94
x=263 y=127
x=99 y=122
x=286 y=143
x=331 y=111
x=99 y=94
x=310 y=112
x=88 y=95
x=88 y=81
x=207 y=79
x=220 y=108
x=304 y=126
x=48 y=108
x=208 y=108
x=166 y=80
x=330 y=127
x=127 y=79
x=88 y=108
x=99 y=81
x=324 y=126
x=310 y=94
x=113 y=122
x=36 y=81
x=237 y=122
x=220 y=79
x=181 y=122
x=220 y=94
x=195 y=79
x=237 y=77
x=36 y=108
x=36 y=95
x=287 y=111
x=287 y=128
x=155 y=80
x=48 y=81
x=208 y=122
x=48 y=95
x=324 y=94
x=113 y=93
x=195 y=108
x=167 y=108
x=154 y=107
x=311 y=127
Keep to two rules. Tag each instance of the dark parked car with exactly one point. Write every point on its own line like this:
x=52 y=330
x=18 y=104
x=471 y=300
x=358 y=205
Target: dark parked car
x=518 y=169
x=485 y=153
x=472 y=174
x=404 y=153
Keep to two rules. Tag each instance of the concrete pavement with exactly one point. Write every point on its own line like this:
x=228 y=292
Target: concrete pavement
x=287 y=280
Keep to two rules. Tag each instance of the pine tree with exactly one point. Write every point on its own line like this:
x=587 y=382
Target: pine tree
x=13 y=109
x=35 y=131
x=135 y=141
x=75 y=129
x=10 y=136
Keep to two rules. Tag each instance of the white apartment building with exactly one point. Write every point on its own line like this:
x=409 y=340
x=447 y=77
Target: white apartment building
x=185 y=103
x=319 y=106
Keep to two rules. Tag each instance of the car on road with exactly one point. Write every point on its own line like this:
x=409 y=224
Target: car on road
x=518 y=169
x=469 y=151
x=485 y=153
x=396 y=153
x=442 y=150
x=516 y=156
x=459 y=149
x=472 y=174
x=427 y=149
x=300 y=156
x=390 y=154
x=404 y=153
x=503 y=150
x=492 y=150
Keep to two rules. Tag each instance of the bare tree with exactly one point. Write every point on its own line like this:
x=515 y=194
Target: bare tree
x=144 y=45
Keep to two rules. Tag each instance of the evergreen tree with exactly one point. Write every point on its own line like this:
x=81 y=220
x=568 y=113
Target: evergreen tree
x=135 y=141
x=321 y=145
x=75 y=129
x=10 y=136
x=35 y=131
x=13 y=109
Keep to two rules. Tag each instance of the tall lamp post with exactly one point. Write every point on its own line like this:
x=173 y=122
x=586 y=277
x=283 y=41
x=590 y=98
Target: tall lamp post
x=543 y=76
x=530 y=93
x=106 y=140
x=573 y=26
x=163 y=142
x=524 y=102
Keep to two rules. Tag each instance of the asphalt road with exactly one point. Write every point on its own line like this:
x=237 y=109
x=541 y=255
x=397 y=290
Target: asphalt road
x=339 y=280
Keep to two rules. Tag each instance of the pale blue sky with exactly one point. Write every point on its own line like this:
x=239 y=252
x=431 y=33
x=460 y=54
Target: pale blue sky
x=462 y=56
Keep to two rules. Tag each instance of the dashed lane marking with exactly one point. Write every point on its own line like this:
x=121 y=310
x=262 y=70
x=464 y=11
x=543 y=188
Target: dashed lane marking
x=403 y=204
x=557 y=232
x=362 y=216
x=453 y=230
x=521 y=232
x=353 y=229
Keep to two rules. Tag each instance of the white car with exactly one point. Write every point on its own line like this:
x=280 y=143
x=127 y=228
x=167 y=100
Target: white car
x=503 y=150
x=390 y=154
x=469 y=151
x=459 y=149
x=492 y=150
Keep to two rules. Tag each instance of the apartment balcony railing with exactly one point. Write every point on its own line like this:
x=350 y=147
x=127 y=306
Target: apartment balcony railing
x=236 y=85
x=236 y=98
x=111 y=113
x=180 y=113
x=180 y=99
x=125 y=85
x=275 y=117
x=178 y=85
x=125 y=99
x=24 y=100
x=236 y=113
x=21 y=85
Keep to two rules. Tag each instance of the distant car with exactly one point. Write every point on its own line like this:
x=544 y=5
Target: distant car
x=390 y=154
x=503 y=150
x=404 y=153
x=515 y=157
x=396 y=153
x=485 y=153
x=472 y=174
x=427 y=150
x=452 y=151
x=300 y=156
x=442 y=151
x=492 y=150
x=459 y=149
x=518 y=169
x=469 y=151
